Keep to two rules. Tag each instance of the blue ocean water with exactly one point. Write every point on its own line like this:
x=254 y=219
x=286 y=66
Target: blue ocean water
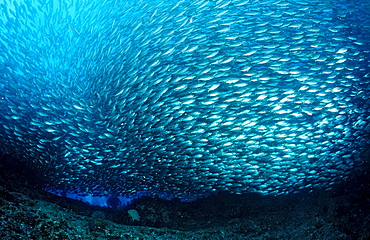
x=185 y=98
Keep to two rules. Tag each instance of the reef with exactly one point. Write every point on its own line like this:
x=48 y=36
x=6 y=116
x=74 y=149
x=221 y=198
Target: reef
x=27 y=212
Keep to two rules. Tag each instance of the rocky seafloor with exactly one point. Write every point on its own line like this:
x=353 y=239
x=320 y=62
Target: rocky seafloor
x=26 y=212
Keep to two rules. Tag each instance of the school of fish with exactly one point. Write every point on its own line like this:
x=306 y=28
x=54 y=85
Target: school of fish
x=186 y=97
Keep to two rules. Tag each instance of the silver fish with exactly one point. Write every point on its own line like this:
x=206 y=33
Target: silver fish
x=187 y=97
